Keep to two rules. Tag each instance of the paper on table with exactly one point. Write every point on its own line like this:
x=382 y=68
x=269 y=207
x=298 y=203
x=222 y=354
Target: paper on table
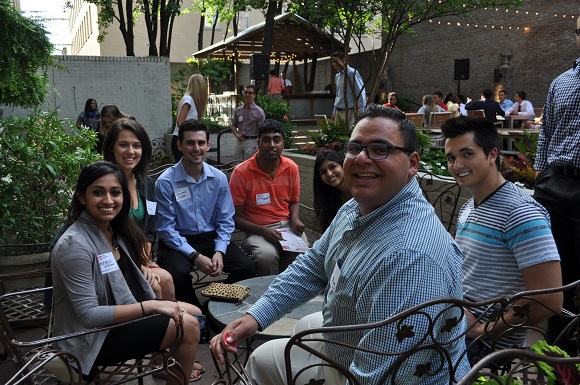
x=291 y=241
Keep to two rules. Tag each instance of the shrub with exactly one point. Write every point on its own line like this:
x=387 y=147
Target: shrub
x=40 y=160
x=278 y=110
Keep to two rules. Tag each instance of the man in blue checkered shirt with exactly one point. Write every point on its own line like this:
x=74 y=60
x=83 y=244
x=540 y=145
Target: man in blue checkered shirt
x=558 y=177
x=386 y=251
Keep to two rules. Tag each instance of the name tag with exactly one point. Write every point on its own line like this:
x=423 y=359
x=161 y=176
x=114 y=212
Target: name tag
x=182 y=193
x=107 y=263
x=464 y=215
x=240 y=118
x=334 y=279
x=262 y=199
x=151 y=207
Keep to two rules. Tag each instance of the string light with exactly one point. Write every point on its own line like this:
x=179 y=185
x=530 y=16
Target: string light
x=509 y=27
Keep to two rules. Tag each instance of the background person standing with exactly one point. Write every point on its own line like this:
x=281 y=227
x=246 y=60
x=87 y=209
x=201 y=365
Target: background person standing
x=558 y=178
x=247 y=118
x=275 y=85
x=355 y=90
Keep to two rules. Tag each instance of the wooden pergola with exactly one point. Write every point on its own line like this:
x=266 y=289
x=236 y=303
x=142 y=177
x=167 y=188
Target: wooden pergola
x=295 y=39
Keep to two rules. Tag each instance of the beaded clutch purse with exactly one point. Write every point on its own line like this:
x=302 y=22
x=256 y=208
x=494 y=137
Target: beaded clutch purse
x=226 y=291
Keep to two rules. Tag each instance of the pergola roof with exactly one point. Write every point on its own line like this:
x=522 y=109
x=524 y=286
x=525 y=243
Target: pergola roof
x=294 y=39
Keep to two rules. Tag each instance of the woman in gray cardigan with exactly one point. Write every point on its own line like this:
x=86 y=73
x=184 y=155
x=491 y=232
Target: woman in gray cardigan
x=96 y=282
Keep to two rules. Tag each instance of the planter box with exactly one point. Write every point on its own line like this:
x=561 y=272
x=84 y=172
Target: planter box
x=28 y=263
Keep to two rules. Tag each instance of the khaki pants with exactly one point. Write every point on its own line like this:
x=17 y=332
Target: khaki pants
x=270 y=259
x=266 y=364
x=351 y=116
x=245 y=149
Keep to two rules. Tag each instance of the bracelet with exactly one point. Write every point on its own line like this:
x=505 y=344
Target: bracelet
x=142 y=309
x=193 y=256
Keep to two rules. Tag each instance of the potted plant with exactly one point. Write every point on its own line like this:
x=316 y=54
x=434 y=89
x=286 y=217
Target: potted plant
x=40 y=159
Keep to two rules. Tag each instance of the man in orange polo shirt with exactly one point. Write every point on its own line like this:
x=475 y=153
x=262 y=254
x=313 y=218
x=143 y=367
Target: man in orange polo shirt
x=266 y=194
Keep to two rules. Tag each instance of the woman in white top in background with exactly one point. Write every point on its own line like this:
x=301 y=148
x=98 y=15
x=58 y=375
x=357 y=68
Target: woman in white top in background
x=428 y=107
x=192 y=106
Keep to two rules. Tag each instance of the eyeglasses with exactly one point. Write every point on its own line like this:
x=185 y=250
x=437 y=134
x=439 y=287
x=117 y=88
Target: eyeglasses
x=375 y=151
x=577 y=30
x=248 y=93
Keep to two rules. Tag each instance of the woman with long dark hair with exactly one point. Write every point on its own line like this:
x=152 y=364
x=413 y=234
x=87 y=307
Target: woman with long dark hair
x=96 y=283
x=330 y=189
x=128 y=145
x=90 y=116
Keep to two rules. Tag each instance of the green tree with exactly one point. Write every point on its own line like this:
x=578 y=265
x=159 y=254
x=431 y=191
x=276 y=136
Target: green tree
x=159 y=16
x=384 y=19
x=25 y=55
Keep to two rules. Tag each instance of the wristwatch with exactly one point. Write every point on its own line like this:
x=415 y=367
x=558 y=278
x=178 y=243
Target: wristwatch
x=193 y=256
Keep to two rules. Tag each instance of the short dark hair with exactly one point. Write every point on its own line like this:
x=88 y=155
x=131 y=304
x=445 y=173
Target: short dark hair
x=406 y=127
x=484 y=132
x=487 y=92
x=338 y=54
x=251 y=86
x=192 y=125
x=521 y=94
x=273 y=72
x=504 y=91
x=136 y=128
x=271 y=125
x=438 y=93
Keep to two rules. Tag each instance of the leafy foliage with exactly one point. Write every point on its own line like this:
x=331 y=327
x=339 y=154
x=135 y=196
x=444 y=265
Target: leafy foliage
x=519 y=168
x=332 y=136
x=215 y=123
x=159 y=16
x=278 y=110
x=217 y=70
x=434 y=161
x=39 y=164
x=24 y=50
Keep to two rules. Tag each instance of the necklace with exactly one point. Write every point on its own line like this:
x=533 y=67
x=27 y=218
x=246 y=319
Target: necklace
x=115 y=245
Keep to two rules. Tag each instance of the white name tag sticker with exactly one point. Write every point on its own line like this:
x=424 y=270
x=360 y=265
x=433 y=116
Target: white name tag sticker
x=182 y=193
x=262 y=199
x=334 y=279
x=464 y=215
x=151 y=207
x=107 y=263
x=240 y=118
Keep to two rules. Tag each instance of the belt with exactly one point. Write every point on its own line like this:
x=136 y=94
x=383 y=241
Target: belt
x=567 y=171
x=250 y=137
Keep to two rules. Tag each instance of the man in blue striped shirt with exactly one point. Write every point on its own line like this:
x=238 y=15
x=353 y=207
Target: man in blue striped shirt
x=386 y=251
x=558 y=178
x=503 y=232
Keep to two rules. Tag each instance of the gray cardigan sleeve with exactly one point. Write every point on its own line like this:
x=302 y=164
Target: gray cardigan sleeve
x=74 y=264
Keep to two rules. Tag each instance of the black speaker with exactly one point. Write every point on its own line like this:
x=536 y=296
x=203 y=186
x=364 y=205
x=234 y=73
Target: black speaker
x=461 y=69
x=497 y=75
x=259 y=66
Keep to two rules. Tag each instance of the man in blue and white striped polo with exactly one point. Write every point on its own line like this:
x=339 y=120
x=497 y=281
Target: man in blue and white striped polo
x=504 y=234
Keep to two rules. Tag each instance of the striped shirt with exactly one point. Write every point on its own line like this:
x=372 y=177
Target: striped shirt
x=503 y=235
x=394 y=258
x=559 y=142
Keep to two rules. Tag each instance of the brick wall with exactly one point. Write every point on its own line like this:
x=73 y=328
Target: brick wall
x=139 y=86
x=425 y=63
